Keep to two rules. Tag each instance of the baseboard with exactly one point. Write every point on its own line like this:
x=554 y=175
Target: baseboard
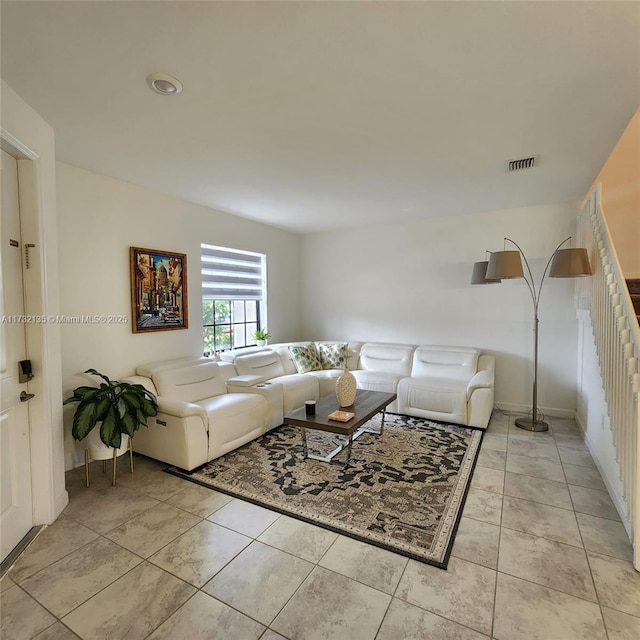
x=61 y=502
x=582 y=426
x=13 y=556
x=618 y=501
x=524 y=408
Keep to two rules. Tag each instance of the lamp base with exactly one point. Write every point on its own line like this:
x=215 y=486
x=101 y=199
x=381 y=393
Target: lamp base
x=532 y=425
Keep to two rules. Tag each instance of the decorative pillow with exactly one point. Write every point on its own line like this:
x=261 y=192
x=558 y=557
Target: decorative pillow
x=333 y=355
x=306 y=358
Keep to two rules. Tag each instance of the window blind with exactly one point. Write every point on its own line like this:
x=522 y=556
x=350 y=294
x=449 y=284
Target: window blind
x=229 y=274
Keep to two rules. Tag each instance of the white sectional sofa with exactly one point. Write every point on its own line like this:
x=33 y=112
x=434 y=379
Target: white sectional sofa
x=275 y=363
x=208 y=408
x=451 y=384
x=198 y=419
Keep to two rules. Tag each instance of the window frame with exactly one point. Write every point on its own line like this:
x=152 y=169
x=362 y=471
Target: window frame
x=228 y=262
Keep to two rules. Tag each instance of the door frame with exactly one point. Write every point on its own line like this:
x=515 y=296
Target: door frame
x=25 y=136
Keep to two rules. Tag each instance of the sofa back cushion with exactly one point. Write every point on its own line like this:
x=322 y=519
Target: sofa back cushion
x=151 y=368
x=452 y=363
x=282 y=349
x=353 y=355
x=232 y=354
x=265 y=363
x=392 y=358
x=191 y=383
x=147 y=383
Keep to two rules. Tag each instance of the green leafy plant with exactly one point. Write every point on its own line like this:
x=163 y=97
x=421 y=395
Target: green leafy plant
x=259 y=334
x=120 y=407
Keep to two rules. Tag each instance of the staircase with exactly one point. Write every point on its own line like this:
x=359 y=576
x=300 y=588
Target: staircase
x=634 y=292
x=613 y=304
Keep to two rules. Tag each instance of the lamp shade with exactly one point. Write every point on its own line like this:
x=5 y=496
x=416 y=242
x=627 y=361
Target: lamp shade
x=479 y=275
x=504 y=265
x=570 y=263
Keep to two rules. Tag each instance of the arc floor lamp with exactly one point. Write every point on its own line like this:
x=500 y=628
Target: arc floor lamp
x=563 y=263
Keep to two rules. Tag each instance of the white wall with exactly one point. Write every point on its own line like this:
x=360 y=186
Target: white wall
x=26 y=135
x=410 y=283
x=99 y=218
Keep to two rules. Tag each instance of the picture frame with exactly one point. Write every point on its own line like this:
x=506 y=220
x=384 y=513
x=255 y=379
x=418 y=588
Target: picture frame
x=159 y=299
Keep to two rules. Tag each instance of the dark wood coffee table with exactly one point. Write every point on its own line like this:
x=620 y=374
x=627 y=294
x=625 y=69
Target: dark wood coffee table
x=366 y=405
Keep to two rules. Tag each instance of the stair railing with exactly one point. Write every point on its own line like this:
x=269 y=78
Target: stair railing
x=617 y=338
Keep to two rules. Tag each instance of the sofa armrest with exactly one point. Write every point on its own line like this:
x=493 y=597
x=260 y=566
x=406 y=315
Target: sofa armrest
x=245 y=381
x=481 y=380
x=181 y=441
x=181 y=409
x=273 y=393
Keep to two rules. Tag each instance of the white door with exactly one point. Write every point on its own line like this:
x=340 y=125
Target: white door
x=16 y=509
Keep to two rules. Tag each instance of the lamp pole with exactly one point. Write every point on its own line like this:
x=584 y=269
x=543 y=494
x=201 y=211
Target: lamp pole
x=533 y=423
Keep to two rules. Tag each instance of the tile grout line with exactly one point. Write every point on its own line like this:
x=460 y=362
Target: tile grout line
x=495 y=588
x=586 y=555
x=143 y=560
x=255 y=539
x=198 y=589
x=584 y=550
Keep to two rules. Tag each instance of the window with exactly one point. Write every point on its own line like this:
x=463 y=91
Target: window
x=233 y=297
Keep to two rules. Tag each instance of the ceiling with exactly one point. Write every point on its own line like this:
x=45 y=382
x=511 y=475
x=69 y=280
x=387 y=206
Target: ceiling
x=314 y=116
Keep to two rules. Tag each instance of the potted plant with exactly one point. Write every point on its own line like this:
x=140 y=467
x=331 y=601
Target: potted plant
x=261 y=337
x=120 y=408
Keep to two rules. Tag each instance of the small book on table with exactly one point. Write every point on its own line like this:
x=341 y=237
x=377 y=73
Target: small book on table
x=341 y=416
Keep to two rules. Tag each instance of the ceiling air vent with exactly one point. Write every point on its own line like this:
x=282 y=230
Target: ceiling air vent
x=522 y=163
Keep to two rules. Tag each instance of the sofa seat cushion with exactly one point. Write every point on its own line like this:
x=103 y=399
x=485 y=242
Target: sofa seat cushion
x=230 y=404
x=377 y=380
x=327 y=380
x=234 y=415
x=439 y=395
x=296 y=389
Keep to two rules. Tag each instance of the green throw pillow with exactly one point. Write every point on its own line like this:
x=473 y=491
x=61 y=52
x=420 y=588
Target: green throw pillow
x=306 y=358
x=333 y=355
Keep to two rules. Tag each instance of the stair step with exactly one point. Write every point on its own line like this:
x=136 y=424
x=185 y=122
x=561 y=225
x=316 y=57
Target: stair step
x=634 y=286
x=635 y=298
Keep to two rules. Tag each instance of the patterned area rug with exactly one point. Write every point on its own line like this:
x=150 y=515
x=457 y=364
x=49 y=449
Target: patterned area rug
x=403 y=490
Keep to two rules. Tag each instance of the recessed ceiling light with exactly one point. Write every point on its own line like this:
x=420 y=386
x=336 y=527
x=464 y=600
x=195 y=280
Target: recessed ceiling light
x=164 y=84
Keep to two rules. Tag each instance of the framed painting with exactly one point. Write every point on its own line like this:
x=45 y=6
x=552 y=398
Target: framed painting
x=158 y=290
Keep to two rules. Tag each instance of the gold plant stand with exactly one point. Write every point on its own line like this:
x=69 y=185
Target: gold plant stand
x=87 y=460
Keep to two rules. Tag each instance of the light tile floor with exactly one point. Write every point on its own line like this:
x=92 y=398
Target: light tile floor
x=540 y=555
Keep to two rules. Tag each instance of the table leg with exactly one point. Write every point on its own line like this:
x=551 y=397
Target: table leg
x=349 y=450
x=304 y=443
x=377 y=432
